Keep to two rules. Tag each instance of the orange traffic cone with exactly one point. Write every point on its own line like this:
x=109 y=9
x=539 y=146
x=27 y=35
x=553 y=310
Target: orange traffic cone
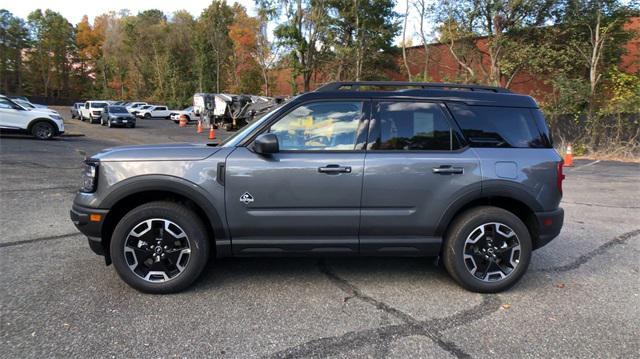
x=212 y=133
x=568 y=156
x=183 y=121
x=199 y=128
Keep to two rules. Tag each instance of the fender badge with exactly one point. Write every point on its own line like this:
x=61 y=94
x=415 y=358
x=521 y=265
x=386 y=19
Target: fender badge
x=246 y=198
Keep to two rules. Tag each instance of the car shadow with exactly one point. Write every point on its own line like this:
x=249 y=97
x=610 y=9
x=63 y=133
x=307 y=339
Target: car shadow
x=220 y=272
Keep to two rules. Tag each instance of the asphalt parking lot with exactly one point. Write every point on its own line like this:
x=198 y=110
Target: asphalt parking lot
x=580 y=297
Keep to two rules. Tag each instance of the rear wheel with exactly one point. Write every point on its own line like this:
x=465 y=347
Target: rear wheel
x=147 y=116
x=487 y=249
x=160 y=247
x=43 y=130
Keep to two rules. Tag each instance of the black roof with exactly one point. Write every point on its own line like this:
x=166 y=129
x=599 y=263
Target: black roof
x=467 y=93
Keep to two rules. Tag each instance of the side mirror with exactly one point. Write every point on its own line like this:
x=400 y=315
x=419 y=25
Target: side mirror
x=266 y=144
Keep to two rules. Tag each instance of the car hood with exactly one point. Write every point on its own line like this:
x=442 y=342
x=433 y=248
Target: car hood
x=44 y=111
x=163 y=152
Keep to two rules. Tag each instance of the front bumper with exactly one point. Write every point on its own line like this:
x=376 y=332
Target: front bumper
x=121 y=122
x=90 y=227
x=549 y=226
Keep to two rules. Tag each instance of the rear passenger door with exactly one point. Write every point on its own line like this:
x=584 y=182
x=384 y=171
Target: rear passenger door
x=416 y=165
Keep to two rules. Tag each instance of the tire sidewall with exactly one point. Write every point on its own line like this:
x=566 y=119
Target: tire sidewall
x=185 y=219
x=462 y=228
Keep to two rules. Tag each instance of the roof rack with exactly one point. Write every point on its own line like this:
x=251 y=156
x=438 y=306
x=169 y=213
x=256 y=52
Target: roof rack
x=355 y=86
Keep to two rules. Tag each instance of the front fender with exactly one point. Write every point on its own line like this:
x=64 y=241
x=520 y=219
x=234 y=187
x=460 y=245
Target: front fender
x=180 y=186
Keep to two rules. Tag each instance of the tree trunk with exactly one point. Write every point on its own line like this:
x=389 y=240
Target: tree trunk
x=265 y=76
x=404 y=42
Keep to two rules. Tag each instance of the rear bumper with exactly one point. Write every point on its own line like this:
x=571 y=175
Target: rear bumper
x=549 y=226
x=80 y=216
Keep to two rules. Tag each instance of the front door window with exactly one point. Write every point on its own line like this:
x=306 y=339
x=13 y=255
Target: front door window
x=316 y=126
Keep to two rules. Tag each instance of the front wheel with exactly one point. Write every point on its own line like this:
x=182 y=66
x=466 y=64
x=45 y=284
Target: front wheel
x=487 y=249
x=160 y=247
x=147 y=116
x=43 y=130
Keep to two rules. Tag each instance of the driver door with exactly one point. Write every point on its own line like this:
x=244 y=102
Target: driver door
x=306 y=197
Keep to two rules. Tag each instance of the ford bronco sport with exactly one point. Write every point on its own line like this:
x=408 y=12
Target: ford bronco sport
x=464 y=172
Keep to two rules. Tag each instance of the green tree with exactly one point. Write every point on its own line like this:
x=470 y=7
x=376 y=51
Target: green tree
x=53 y=45
x=303 y=34
x=13 y=40
x=213 y=46
x=361 y=34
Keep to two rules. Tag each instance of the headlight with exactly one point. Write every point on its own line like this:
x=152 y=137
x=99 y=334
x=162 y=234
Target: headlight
x=56 y=117
x=89 y=177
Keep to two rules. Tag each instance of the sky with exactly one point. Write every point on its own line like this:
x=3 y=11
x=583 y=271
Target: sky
x=74 y=10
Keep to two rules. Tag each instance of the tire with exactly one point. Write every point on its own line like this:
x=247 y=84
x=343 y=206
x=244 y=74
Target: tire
x=43 y=130
x=109 y=124
x=467 y=246
x=177 y=221
x=147 y=116
x=73 y=117
x=102 y=122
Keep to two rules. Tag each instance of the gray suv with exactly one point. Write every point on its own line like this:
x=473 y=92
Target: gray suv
x=463 y=172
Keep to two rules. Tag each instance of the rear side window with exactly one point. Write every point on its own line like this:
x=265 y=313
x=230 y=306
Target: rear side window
x=412 y=126
x=486 y=126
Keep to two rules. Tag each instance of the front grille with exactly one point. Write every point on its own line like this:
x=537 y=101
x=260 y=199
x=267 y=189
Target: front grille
x=97 y=113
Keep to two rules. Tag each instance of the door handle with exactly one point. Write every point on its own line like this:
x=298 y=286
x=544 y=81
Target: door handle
x=448 y=170
x=334 y=169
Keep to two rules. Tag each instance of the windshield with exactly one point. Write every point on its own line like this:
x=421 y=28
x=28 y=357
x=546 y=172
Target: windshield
x=145 y=107
x=99 y=105
x=24 y=104
x=117 y=109
x=190 y=108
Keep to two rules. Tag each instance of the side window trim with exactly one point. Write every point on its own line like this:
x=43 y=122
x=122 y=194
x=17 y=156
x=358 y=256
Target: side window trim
x=361 y=131
x=375 y=131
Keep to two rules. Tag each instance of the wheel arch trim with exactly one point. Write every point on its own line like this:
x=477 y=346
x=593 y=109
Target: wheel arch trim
x=491 y=189
x=174 y=185
x=43 y=119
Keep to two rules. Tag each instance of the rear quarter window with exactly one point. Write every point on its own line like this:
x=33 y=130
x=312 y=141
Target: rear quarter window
x=487 y=126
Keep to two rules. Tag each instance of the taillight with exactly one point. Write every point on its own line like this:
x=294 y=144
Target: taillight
x=560 y=176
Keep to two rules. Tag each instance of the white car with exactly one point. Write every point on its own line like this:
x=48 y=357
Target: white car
x=41 y=124
x=30 y=106
x=154 y=111
x=134 y=112
x=191 y=116
x=92 y=111
x=135 y=106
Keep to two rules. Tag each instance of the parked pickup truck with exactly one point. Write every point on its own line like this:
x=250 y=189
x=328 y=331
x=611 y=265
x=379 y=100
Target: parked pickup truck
x=92 y=111
x=466 y=173
x=154 y=112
